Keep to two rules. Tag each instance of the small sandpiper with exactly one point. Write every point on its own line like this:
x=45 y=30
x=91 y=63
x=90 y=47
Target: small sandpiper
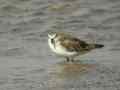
x=68 y=46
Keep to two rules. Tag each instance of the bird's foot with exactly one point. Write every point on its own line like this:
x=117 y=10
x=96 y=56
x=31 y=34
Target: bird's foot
x=69 y=60
x=72 y=60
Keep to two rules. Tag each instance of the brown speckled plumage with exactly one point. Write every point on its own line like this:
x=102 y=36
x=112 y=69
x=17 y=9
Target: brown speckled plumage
x=73 y=44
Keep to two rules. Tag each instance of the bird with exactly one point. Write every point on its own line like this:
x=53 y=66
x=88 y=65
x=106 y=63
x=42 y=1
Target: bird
x=68 y=46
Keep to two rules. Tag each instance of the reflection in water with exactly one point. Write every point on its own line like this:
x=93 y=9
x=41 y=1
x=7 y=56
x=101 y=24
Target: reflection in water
x=73 y=69
x=68 y=75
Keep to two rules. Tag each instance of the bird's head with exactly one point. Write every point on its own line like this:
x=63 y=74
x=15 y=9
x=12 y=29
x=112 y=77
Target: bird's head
x=52 y=35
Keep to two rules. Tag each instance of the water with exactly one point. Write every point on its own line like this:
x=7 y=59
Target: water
x=27 y=63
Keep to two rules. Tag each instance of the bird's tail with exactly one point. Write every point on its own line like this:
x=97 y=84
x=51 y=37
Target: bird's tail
x=98 y=46
x=95 y=46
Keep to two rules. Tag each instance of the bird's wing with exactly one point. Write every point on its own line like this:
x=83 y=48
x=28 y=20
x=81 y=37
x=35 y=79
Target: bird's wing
x=74 y=44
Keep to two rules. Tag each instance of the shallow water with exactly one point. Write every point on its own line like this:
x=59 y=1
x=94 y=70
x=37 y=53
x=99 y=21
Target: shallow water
x=27 y=63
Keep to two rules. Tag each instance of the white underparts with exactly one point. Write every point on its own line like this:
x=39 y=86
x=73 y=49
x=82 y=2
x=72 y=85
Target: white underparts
x=60 y=50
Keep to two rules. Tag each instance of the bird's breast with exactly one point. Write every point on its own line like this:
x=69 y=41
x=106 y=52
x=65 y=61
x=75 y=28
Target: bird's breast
x=58 y=49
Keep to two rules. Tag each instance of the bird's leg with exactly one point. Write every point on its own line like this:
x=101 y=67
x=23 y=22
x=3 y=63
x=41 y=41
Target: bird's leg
x=72 y=60
x=67 y=59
